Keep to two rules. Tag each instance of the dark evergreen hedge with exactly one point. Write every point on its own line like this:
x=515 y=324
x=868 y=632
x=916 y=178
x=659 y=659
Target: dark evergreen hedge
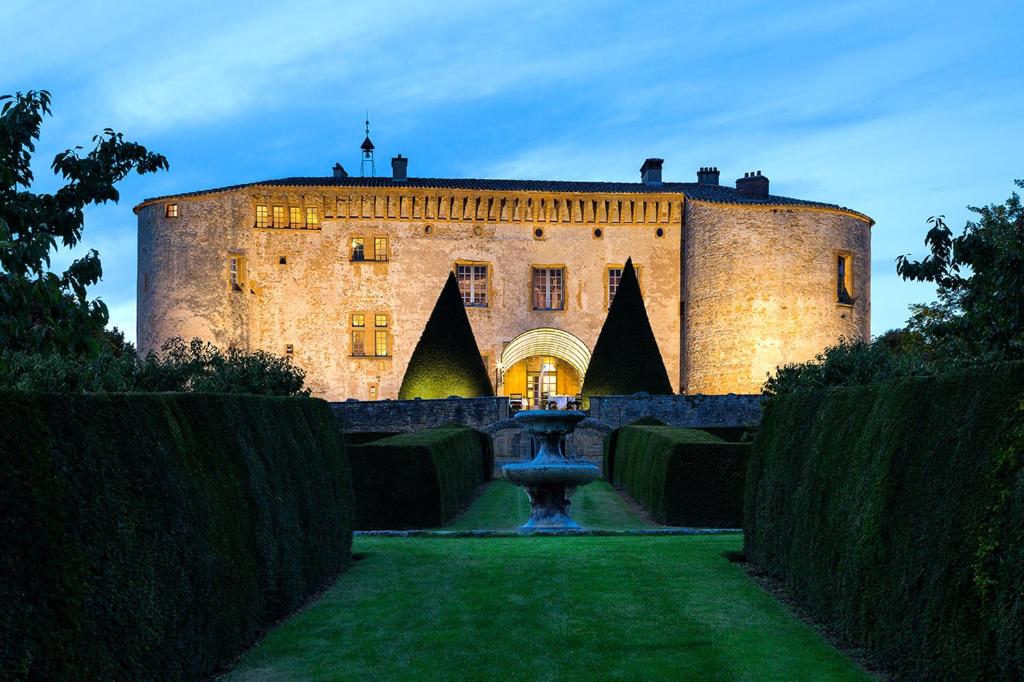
x=626 y=359
x=446 y=361
x=154 y=536
x=894 y=512
x=609 y=442
x=683 y=477
x=419 y=479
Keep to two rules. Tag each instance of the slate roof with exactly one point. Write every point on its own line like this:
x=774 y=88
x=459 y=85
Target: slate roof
x=692 y=190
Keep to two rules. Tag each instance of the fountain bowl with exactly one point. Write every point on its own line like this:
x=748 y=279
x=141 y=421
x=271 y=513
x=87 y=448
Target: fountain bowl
x=549 y=478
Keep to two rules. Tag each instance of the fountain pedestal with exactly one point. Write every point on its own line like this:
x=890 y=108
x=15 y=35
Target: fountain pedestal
x=549 y=478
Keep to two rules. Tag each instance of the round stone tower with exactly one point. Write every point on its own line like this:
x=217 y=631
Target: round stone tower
x=766 y=285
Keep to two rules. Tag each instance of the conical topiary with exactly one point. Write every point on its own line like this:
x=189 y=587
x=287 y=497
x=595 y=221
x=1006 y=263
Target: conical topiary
x=446 y=360
x=626 y=358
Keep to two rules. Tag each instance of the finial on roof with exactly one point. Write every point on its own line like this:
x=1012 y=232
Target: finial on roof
x=367 y=155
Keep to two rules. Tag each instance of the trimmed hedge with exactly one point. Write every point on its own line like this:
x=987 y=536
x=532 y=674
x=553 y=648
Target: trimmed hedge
x=361 y=437
x=609 y=442
x=626 y=358
x=153 y=536
x=420 y=479
x=446 y=360
x=894 y=512
x=682 y=477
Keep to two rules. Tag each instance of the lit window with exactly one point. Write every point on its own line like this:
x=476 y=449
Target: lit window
x=358 y=334
x=373 y=392
x=171 y=211
x=279 y=216
x=472 y=284
x=381 y=343
x=380 y=321
x=380 y=248
x=294 y=216
x=547 y=288
x=312 y=217
x=358 y=249
x=262 y=218
x=844 y=279
x=614 y=277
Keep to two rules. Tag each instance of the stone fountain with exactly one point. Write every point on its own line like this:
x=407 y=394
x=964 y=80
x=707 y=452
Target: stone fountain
x=549 y=478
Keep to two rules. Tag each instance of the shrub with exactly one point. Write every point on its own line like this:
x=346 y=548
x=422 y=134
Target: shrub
x=895 y=513
x=608 y=446
x=154 y=536
x=682 y=477
x=626 y=359
x=197 y=367
x=446 y=360
x=419 y=479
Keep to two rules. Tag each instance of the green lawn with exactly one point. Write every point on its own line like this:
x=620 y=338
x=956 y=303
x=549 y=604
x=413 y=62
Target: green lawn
x=503 y=506
x=545 y=608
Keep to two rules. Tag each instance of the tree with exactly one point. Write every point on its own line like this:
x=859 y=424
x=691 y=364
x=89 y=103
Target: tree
x=979 y=275
x=626 y=358
x=446 y=360
x=42 y=311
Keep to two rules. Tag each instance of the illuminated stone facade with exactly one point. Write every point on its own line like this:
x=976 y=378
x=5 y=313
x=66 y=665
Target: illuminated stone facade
x=736 y=281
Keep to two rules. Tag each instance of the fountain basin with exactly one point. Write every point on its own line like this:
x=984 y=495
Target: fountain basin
x=549 y=478
x=567 y=474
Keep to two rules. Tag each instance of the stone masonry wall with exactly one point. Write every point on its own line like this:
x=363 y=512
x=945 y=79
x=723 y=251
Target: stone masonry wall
x=412 y=415
x=760 y=291
x=693 y=411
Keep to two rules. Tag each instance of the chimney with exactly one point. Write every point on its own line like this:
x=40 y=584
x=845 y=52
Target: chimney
x=399 y=166
x=339 y=172
x=650 y=172
x=753 y=185
x=708 y=175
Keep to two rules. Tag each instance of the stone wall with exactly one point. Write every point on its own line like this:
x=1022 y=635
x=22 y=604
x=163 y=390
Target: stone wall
x=755 y=284
x=760 y=290
x=412 y=415
x=695 y=411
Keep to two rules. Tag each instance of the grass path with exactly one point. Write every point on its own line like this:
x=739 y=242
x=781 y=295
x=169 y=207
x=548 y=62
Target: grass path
x=503 y=506
x=545 y=609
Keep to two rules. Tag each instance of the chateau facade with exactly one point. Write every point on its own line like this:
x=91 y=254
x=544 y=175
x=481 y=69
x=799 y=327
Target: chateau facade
x=342 y=272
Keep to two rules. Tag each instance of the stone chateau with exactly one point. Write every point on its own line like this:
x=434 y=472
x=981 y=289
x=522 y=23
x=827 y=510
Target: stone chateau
x=342 y=272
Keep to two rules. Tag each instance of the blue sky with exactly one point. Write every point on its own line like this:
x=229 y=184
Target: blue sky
x=899 y=110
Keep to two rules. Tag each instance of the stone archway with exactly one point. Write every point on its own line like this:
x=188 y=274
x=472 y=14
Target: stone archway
x=543 y=360
x=546 y=341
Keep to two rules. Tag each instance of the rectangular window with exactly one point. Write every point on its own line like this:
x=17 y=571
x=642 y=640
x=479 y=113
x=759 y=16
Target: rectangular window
x=279 y=216
x=172 y=211
x=358 y=249
x=262 y=218
x=236 y=273
x=547 y=288
x=381 y=344
x=380 y=321
x=844 y=279
x=312 y=217
x=358 y=334
x=380 y=248
x=472 y=284
x=289 y=349
x=614 y=277
x=294 y=216
x=373 y=391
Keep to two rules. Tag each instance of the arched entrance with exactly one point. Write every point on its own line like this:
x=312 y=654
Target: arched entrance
x=543 y=361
